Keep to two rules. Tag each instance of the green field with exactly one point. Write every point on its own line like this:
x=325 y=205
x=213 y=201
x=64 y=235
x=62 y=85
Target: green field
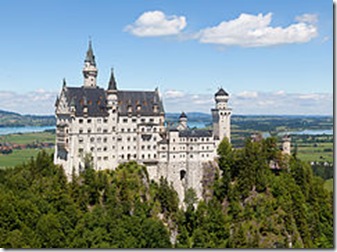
x=329 y=185
x=319 y=152
x=29 y=138
x=19 y=156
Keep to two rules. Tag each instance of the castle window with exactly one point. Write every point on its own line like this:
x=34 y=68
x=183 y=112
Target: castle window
x=174 y=156
x=119 y=138
x=202 y=139
x=113 y=156
x=105 y=158
x=135 y=147
x=182 y=174
x=105 y=139
x=202 y=155
x=155 y=156
x=105 y=148
x=129 y=156
x=173 y=140
x=151 y=120
x=134 y=156
x=99 y=130
x=80 y=140
x=122 y=129
x=92 y=148
x=99 y=140
x=128 y=147
x=89 y=121
x=143 y=156
x=122 y=156
x=174 y=148
x=80 y=150
x=99 y=149
x=125 y=120
x=89 y=130
x=191 y=156
x=149 y=147
x=191 y=148
x=122 y=147
x=134 y=139
x=163 y=156
x=113 y=128
x=154 y=139
x=80 y=120
x=129 y=130
x=113 y=146
x=143 y=129
x=154 y=129
x=99 y=120
x=202 y=147
x=105 y=120
x=143 y=120
x=143 y=147
x=81 y=131
x=92 y=139
x=134 y=120
x=128 y=139
x=149 y=156
x=99 y=158
x=154 y=147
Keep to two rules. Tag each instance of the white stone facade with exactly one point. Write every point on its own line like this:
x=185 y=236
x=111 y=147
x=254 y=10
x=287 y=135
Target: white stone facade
x=116 y=126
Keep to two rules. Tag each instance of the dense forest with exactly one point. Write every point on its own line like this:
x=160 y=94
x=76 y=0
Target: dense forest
x=250 y=205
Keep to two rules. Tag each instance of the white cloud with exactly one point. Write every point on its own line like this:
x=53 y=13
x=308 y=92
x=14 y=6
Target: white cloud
x=307 y=18
x=255 y=31
x=173 y=94
x=247 y=94
x=156 y=23
x=35 y=102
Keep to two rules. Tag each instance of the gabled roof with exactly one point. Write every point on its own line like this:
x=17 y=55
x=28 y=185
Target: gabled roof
x=221 y=92
x=92 y=98
x=145 y=99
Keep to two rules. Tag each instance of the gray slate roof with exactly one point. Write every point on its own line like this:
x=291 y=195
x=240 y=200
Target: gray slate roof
x=146 y=99
x=221 y=92
x=195 y=133
x=93 y=97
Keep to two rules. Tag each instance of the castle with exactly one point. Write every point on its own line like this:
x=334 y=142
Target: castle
x=117 y=126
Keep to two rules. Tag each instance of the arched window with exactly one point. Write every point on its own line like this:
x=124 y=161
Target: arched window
x=182 y=174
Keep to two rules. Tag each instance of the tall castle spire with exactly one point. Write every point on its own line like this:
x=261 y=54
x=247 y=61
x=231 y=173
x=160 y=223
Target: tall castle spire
x=112 y=81
x=90 y=71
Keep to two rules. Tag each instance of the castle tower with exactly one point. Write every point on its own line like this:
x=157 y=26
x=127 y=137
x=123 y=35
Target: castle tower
x=286 y=145
x=221 y=116
x=90 y=71
x=182 y=121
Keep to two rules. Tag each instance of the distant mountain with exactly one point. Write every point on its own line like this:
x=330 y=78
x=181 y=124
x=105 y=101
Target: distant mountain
x=12 y=119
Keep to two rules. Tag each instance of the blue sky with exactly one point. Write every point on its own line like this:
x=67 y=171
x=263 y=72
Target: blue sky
x=273 y=57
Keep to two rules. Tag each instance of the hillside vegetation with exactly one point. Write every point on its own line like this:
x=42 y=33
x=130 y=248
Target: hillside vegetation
x=11 y=119
x=250 y=206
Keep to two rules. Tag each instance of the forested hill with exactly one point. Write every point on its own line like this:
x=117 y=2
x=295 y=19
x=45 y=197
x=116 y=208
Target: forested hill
x=249 y=206
x=11 y=119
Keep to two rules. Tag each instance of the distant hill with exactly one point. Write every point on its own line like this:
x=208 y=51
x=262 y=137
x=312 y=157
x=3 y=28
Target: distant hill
x=12 y=119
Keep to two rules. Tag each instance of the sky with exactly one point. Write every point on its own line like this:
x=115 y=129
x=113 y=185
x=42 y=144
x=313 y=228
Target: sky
x=272 y=57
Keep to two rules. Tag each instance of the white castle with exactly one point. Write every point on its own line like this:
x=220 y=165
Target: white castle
x=117 y=126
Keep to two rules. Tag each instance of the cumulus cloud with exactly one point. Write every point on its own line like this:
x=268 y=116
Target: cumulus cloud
x=247 y=94
x=156 y=23
x=36 y=102
x=307 y=18
x=255 y=31
x=173 y=94
x=253 y=102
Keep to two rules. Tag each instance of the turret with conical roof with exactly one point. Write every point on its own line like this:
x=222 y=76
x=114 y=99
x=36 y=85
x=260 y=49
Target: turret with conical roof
x=90 y=71
x=182 y=121
x=221 y=116
x=112 y=82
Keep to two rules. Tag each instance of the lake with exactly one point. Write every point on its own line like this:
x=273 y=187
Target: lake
x=25 y=129
x=303 y=132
